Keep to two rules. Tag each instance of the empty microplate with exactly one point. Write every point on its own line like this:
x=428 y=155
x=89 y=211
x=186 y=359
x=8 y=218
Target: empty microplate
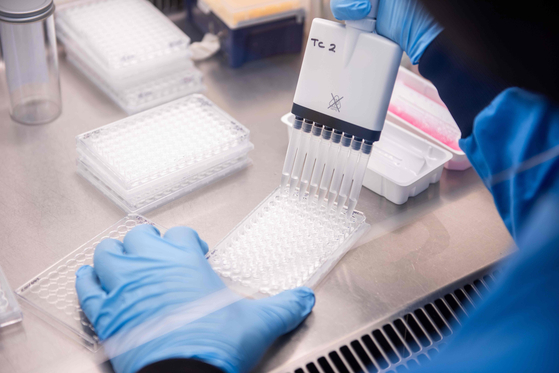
x=52 y=293
x=284 y=243
x=10 y=313
x=122 y=36
x=144 y=94
x=151 y=153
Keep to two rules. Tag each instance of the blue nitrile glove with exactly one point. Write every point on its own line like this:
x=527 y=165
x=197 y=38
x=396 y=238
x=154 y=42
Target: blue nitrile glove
x=137 y=287
x=406 y=22
x=514 y=148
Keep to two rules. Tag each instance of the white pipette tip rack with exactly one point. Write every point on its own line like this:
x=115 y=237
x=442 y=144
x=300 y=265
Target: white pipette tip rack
x=52 y=293
x=151 y=158
x=284 y=243
x=130 y=50
x=10 y=313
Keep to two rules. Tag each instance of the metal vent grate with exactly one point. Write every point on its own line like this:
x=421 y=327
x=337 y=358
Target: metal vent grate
x=405 y=342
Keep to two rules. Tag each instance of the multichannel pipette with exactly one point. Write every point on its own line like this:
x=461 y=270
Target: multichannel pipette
x=345 y=84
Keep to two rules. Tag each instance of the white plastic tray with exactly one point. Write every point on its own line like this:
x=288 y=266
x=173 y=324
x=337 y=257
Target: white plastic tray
x=415 y=97
x=52 y=293
x=284 y=243
x=153 y=157
x=123 y=37
x=10 y=313
x=402 y=164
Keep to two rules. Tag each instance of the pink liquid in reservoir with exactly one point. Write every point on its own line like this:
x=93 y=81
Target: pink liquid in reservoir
x=423 y=125
x=424 y=122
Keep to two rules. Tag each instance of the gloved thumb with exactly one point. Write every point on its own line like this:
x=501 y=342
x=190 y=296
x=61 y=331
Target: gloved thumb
x=350 y=9
x=285 y=311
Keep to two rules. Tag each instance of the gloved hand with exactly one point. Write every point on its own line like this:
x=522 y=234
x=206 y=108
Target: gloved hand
x=406 y=22
x=148 y=278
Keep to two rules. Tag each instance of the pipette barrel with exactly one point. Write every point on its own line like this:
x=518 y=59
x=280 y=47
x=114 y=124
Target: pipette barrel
x=301 y=154
x=329 y=167
x=320 y=160
x=311 y=157
x=359 y=175
x=348 y=172
x=291 y=151
x=339 y=170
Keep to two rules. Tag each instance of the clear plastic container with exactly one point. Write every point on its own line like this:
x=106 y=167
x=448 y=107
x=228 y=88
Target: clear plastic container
x=125 y=38
x=415 y=105
x=237 y=13
x=52 y=292
x=30 y=56
x=284 y=243
x=10 y=313
x=160 y=154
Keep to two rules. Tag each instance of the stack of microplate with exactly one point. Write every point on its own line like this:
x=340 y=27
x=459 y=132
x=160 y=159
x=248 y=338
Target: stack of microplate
x=148 y=159
x=130 y=50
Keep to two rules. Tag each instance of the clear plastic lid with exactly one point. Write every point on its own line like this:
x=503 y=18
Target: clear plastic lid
x=169 y=141
x=53 y=291
x=122 y=35
x=234 y=12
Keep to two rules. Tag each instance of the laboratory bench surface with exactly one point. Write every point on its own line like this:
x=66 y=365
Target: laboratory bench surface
x=47 y=211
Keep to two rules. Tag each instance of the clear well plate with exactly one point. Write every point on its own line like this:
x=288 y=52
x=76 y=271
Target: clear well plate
x=166 y=193
x=144 y=94
x=52 y=293
x=157 y=150
x=122 y=36
x=283 y=244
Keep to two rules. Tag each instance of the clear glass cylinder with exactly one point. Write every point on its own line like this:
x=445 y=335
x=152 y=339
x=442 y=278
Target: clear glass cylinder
x=31 y=61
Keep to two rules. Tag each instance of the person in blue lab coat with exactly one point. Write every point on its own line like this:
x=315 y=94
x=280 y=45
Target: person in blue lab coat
x=159 y=306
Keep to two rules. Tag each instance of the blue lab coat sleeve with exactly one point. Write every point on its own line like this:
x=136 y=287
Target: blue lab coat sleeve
x=513 y=143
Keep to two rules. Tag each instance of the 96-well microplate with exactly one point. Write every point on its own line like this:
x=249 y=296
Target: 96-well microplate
x=284 y=243
x=53 y=291
x=187 y=134
x=123 y=35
